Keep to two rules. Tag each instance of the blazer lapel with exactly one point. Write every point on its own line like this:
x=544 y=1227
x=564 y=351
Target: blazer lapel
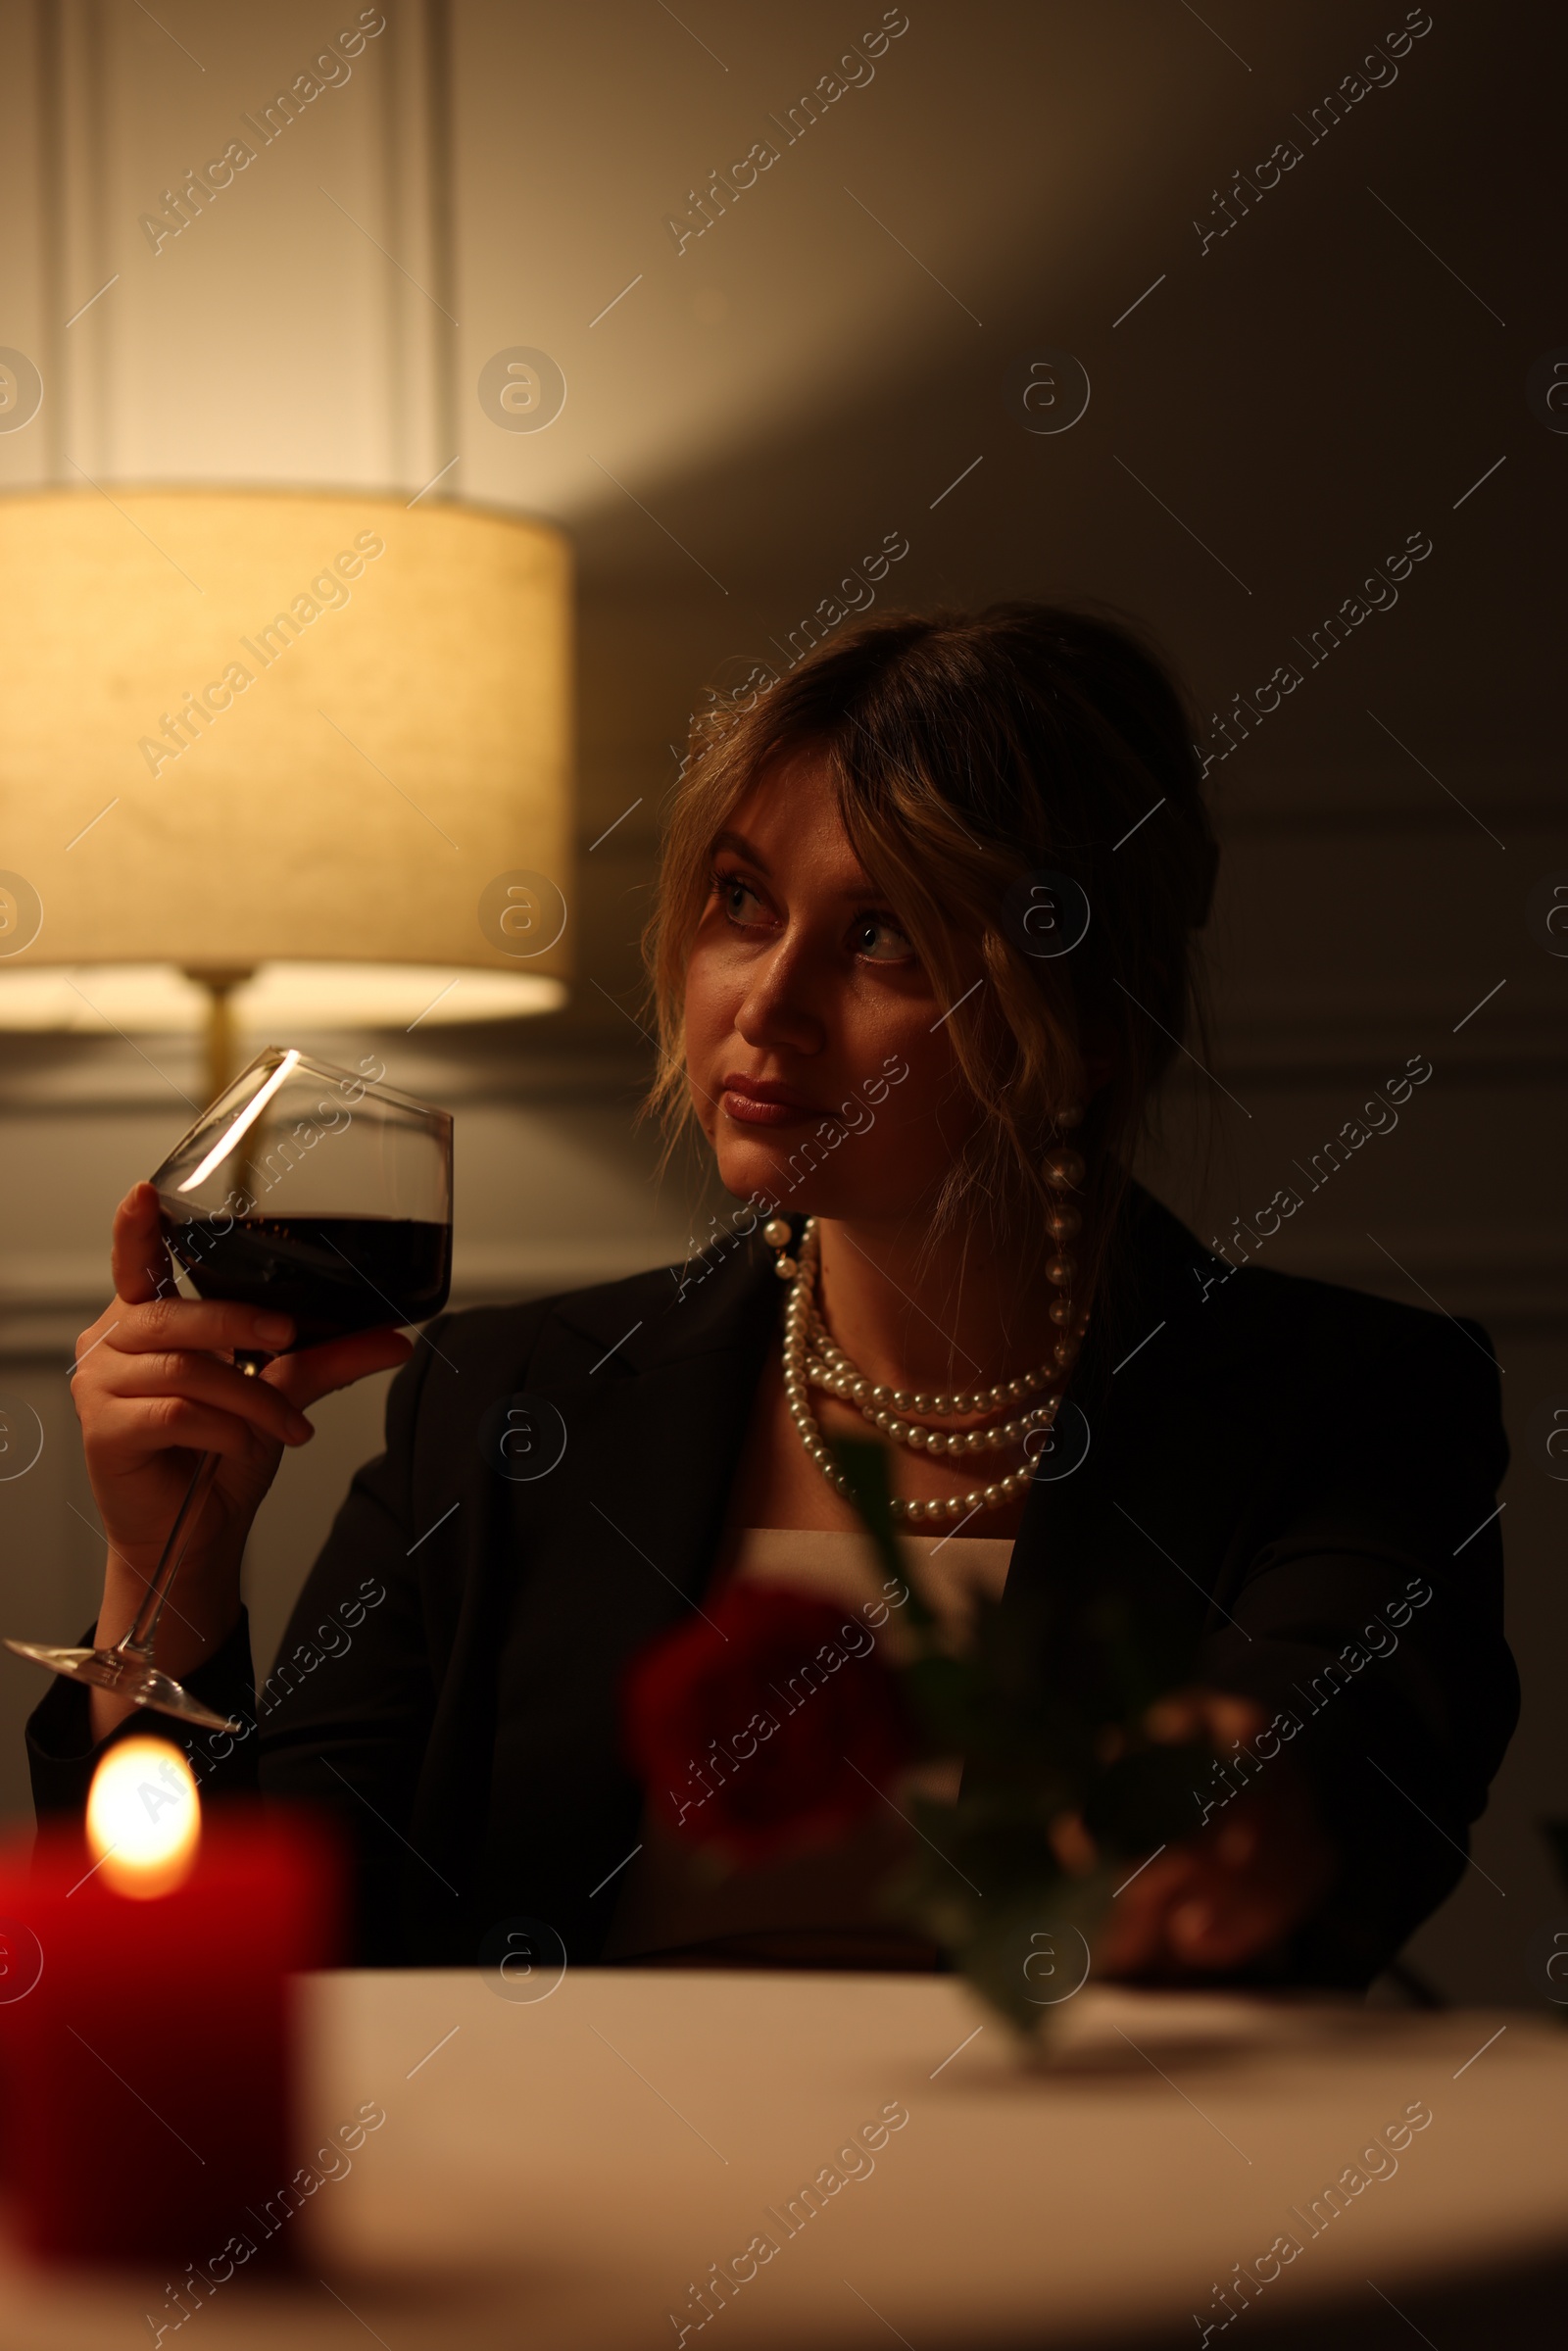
x=653 y=1382
x=1145 y=1392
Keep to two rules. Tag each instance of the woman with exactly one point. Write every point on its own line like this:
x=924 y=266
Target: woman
x=923 y=947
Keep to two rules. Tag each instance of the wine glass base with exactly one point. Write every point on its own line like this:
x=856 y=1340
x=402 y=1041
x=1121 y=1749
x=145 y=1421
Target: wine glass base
x=129 y=1677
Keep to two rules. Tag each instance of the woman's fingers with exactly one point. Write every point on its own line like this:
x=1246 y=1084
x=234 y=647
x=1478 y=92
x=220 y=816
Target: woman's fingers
x=204 y=1380
x=1228 y=1895
x=130 y=1428
x=137 y=1254
x=1217 y=1715
x=315 y=1371
x=1072 y=1844
x=218 y=1326
x=1134 y=1940
x=161 y=1347
x=150 y=1373
x=1193 y=1916
x=205 y=1326
x=1230 y=1913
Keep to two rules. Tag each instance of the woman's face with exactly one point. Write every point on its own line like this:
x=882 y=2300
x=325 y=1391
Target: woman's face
x=819 y=1061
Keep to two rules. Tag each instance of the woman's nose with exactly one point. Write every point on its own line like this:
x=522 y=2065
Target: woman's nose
x=776 y=1009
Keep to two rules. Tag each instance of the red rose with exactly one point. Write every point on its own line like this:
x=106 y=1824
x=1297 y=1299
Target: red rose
x=767 y=1724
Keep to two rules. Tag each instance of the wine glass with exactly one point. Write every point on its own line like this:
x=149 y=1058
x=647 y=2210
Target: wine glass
x=321 y=1193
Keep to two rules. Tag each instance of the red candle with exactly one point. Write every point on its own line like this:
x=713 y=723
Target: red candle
x=146 y=2073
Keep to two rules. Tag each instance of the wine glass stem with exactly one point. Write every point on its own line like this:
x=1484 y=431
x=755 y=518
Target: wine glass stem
x=138 y=1641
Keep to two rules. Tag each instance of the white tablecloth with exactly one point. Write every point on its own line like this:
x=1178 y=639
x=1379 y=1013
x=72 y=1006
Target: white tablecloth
x=564 y=2171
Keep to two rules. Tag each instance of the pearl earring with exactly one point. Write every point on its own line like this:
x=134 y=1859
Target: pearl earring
x=1063 y=1171
x=778 y=1233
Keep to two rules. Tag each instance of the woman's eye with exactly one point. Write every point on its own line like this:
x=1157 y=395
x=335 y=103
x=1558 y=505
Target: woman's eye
x=734 y=895
x=880 y=940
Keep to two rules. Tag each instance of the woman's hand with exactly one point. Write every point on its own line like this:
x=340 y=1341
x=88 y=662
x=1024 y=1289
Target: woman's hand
x=1255 y=1872
x=154 y=1389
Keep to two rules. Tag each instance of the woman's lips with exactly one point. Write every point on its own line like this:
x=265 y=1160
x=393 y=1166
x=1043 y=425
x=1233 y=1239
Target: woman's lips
x=760 y=1103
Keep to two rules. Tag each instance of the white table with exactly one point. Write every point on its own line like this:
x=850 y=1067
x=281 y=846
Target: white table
x=560 y=2172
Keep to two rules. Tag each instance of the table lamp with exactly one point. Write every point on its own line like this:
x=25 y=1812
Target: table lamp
x=281 y=761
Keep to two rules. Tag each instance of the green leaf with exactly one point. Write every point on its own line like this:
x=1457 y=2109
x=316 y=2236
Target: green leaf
x=864 y=1466
x=1030 y=1958
x=950 y=1697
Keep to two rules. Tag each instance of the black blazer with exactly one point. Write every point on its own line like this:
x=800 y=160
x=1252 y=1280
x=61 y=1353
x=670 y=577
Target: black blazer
x=1290 y=1460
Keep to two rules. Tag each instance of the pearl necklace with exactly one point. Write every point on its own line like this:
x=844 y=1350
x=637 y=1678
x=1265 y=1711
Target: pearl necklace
x=828 y=1367
x=812 y=1358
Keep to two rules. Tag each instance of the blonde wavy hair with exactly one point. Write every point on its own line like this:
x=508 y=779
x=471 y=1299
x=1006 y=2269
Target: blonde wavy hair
x=970 y=753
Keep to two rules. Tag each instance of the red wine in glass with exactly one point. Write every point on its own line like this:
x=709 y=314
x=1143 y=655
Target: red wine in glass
x=314 y=1192
x=329 y=1274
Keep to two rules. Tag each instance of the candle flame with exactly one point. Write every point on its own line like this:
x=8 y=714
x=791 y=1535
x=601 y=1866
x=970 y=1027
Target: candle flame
x=144 y=1817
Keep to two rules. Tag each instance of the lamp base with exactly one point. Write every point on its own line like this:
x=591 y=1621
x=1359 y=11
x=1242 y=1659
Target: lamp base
x=220 y=982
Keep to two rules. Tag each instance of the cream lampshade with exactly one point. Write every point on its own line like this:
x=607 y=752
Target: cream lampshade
x=304 y=759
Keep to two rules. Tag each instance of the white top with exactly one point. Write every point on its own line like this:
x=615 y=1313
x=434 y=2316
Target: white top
x=821 y=1905
x=946 y=1569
